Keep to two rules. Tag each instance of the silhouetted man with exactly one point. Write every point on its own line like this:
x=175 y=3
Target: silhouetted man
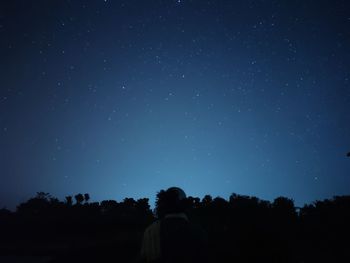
x=173 y=238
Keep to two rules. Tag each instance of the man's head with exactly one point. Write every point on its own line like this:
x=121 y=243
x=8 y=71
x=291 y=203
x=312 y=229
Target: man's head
x=170 y=201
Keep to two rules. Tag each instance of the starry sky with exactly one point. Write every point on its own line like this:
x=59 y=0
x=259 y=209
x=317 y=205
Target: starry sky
x=124 y=98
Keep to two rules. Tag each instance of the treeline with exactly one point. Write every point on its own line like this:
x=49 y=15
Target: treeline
x=240 y=229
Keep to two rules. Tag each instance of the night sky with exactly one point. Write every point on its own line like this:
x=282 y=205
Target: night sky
x=124 y=98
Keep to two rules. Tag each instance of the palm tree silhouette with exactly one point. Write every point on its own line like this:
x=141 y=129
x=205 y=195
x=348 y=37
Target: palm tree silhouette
x=79 y=198
x=86 y=197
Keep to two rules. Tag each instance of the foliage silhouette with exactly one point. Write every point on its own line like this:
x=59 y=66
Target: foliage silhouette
x=79 y=198
x=240 y=229
x=69 y=200
x=86 y=197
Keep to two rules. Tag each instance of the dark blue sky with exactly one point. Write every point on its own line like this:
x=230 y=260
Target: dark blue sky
x=124 y=98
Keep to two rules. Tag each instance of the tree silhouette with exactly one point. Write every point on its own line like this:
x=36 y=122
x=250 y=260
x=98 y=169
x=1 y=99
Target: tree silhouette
x=241 y=229
x=69 y=200
x=206 y=201
x=158 y=210
x=4 y=212
x=285 y=206
x=42 y=195
x=109 y=207
x=37 y=205
x=192 y=202
x=142 y=204
x=86 y=197
x=79 y=199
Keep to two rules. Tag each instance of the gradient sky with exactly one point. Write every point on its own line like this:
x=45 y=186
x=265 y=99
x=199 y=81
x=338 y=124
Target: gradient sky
x=124 y=98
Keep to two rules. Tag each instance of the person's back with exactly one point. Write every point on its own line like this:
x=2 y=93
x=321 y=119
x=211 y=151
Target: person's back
x=180 y=240
x=173 y=238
